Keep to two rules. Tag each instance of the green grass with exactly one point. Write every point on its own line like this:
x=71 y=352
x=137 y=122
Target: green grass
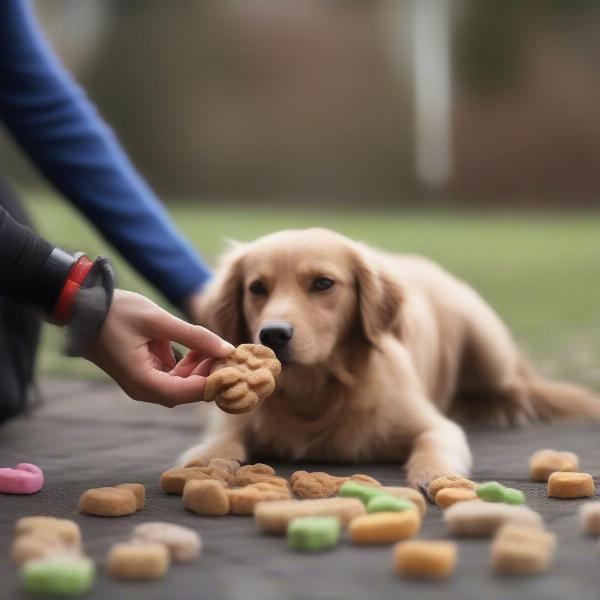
x=540 y=272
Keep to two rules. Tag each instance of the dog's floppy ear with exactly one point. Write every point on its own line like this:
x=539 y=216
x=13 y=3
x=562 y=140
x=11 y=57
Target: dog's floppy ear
x=225 y=296
x=379 y=300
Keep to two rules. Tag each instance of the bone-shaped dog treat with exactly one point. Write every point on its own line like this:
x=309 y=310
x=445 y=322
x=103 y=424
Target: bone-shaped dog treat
x=241 y=381
x=323 y=485
x=173 y=481
x=449 y=481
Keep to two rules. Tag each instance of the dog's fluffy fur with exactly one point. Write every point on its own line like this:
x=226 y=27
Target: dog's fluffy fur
x=378 y=365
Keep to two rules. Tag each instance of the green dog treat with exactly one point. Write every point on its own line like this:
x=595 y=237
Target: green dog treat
x=313 y=533
x=388 y=503
x=68 y=575
x=351 y=489
x=496 y=492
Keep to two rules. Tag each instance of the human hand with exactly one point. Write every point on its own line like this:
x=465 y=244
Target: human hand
x=134 y=348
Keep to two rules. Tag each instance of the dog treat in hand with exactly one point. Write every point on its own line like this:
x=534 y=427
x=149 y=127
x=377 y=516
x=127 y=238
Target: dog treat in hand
x=58 y=575
x=134 y=560
x=25 y=478
x=545 y=462
x=565 y=484
x=323 y=485
x=420 y=559
x=589 y=518
x=388 y=503
x=68 y=531
x=449 y=481
x=384 y=527
x=448 y=496
x=521 y=550
x=273 y=517
x=241 y=381
x=108 y=502
x=483 y=519
x=313 y=533
x=492 y=491
x=173 y=480
x=183 y=544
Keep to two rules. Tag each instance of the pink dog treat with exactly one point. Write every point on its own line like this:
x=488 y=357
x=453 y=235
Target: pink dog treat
x=25 y=478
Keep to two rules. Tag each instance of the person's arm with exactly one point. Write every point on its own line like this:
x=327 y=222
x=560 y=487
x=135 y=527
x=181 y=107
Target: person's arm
x=60 y=130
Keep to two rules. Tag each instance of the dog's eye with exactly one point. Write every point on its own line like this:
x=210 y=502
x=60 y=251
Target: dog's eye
x=258 y=288
x=320 y=284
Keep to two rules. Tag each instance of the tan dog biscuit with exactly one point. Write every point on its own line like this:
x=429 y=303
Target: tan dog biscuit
x=273 y=517
x=449 y=481
x=323 y=485
x=564 y=484
x=448 y=496
x=589 y=518
x=183 y=543
x=39 y=545
x=243 y=501
x=138 y=490
x=67 y=530
x=225 y=468
x=173 y=481
x=384 y=527
x=250 y=474
x=134 y=560
x=108 y=502
x=483 y=519
x=517 y=556
x=420 y=559
x=534 y=535
x=241 y=381
x=545 y=462
x=206 y=497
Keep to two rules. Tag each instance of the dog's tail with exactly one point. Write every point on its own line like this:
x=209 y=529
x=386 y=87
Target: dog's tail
x=550 y=400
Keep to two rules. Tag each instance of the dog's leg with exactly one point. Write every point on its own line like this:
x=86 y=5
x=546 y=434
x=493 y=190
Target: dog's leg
x=440 y=450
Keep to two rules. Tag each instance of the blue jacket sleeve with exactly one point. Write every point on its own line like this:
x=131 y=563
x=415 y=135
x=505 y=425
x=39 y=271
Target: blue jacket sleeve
x=61 y=132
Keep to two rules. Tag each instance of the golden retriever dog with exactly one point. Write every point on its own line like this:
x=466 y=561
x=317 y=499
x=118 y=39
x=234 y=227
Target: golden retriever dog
x=381 y=353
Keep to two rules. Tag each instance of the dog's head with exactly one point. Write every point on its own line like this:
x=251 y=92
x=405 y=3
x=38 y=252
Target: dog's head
x=303 y=293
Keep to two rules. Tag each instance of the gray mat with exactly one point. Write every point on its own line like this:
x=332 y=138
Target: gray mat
x=87 y=435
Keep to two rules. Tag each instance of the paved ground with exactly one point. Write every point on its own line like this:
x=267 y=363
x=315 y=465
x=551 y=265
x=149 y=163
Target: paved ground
x=87 y=435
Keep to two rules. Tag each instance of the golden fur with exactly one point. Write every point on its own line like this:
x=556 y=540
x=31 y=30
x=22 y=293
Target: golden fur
x=379 y=364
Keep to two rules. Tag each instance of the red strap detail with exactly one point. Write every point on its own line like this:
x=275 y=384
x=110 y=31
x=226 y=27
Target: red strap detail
x=78 y=272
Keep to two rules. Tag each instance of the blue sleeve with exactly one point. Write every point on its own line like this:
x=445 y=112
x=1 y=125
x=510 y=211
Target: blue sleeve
x=61 y=132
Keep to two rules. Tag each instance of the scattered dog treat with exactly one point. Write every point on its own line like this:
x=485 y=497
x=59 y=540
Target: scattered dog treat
x=521 y=550
x=384 y=527
x=313 y=533
x=184 y=544
x=68 y=531
x=273 y=517
x=449 y=481
x=420 y=559
x=323 y=485
x=25 y=478
x=243 y=501
x=68 y=575
x=388 y=503
x=492 y=491
x=108 y=502
x=173 y=481
x=251 y=474
x=138 y=490
x=224 y=468
x=589 y=518
x=240 y=382
x=565 y=484
x=448 y=496
x=206 y=497
x=409 y=493
x=134 y=560
x=364 y=493
x=545 y=462
x=39 y=545
x=483 y=519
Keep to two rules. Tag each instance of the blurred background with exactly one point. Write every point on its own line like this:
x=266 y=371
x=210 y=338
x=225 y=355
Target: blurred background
x=466 y=130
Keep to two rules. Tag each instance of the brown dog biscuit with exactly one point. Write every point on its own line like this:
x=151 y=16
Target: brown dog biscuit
x=244 y=379
x=249 y=474
x=138 y=490
x=323 y=485
x=545 y=462
x=173 y=481
x=448 y=496
x=207 y=497
x=108 y=502
x=67 y=530
x=39 y=545
x=138 y=560
x=563 y=484
x=449 y=481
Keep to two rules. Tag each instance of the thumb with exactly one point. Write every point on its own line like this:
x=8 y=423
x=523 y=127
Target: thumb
x=165 y=326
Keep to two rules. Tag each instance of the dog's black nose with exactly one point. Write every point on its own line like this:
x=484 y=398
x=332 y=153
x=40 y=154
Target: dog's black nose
x=276 y=335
